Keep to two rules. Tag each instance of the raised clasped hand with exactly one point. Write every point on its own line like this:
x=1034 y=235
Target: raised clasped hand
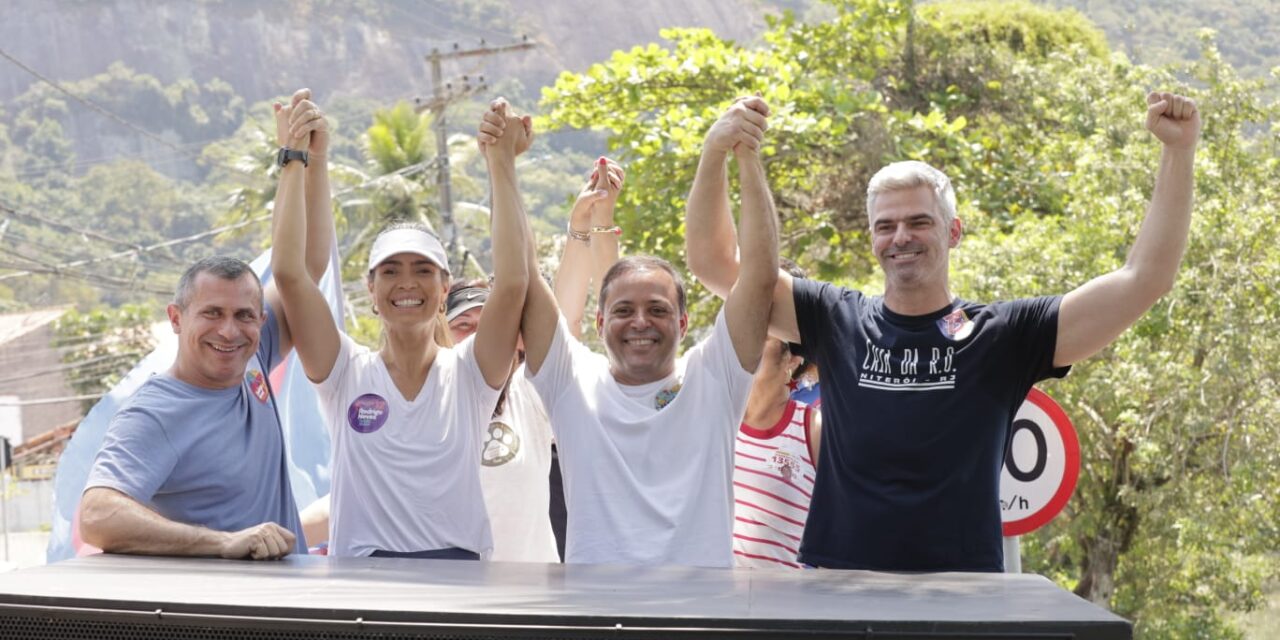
x=302 y=125
x=502 y=133
x=598 y=191
x=741 y=128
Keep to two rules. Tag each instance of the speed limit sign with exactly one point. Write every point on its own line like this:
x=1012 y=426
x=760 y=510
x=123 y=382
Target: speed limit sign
x=1041 y=465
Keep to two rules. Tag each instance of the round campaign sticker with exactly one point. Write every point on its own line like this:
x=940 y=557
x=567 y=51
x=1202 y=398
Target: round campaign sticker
x=501 y=445
x=1041 y=466
x=368 y=413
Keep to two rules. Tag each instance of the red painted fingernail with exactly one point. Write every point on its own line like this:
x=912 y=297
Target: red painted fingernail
x=603 y=161
x=594 y=174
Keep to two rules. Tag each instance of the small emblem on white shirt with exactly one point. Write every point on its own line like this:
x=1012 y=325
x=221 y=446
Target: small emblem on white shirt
x=784 y=462
x=501 y=445
x=664 y=397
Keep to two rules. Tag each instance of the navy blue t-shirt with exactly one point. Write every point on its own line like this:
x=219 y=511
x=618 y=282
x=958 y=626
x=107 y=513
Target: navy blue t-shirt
x=916 y=413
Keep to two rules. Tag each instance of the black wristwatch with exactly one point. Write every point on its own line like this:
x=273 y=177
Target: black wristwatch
x=286 y=155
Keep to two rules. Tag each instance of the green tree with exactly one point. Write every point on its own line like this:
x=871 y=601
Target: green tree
x=105 y=344
x=398 y=151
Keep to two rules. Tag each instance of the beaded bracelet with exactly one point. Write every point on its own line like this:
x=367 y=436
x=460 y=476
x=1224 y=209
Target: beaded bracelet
x=584 y=236
x=617 y=231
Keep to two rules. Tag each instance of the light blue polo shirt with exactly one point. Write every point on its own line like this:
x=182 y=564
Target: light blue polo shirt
x=207 y=457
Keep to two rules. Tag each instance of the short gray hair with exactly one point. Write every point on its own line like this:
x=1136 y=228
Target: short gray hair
x=910 y=174
x=222 y=267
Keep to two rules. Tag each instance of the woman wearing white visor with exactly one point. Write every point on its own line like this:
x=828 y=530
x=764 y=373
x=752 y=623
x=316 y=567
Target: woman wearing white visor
x=406 y=420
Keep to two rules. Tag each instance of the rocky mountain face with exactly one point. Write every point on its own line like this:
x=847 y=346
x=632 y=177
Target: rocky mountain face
x=373 y=49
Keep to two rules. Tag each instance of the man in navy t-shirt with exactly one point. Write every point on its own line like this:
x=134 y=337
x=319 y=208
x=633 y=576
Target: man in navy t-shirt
x=919 y=388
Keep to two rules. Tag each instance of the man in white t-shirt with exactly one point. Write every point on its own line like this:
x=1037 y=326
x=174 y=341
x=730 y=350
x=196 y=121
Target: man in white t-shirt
x=646 y=440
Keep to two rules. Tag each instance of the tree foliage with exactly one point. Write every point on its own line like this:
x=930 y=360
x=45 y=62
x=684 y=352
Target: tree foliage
x=104 y=344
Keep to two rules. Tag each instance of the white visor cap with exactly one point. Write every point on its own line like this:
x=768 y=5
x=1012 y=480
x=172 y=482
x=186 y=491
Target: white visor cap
x=415 y=241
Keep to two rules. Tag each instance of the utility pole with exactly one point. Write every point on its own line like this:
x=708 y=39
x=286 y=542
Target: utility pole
x=442 y=94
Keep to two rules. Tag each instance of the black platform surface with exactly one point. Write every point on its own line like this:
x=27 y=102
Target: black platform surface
x=312 y=596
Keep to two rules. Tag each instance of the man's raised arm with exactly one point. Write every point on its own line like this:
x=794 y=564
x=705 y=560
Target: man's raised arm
x=747 y=308
x=304 y=126
x=711 y=244
x=301 y=310
x=1095 y=314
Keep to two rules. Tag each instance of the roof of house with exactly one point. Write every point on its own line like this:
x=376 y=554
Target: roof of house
x=16 y=325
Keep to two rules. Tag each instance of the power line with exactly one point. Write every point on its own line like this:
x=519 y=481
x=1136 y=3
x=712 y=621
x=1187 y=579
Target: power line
x=23 y=240
x=65 y=227
x=40 y=401
x=103 y=110
x=442 y=94
x=118 y=284
x=147 y=249
x=162 y=157
x=61 y=347
x=87 y=102
x=135 y=251
x=110 y=282
x=59 y=253
x=68 y=366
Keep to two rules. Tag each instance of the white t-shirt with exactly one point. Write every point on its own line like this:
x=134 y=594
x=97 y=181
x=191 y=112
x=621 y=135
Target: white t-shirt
x=645 y=485
x=406 y=475
x=514 y=473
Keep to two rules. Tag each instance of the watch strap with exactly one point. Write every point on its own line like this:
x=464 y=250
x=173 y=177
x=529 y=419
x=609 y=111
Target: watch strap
x=286 y=155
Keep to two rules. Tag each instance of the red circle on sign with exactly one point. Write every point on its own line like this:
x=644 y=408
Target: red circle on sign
x=1070 y=471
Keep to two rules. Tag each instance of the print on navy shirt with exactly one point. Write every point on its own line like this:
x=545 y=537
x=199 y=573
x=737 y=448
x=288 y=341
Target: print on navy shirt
x=904 y=369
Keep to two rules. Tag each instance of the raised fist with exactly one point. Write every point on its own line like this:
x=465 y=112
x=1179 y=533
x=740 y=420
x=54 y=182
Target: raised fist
x=1173 y=119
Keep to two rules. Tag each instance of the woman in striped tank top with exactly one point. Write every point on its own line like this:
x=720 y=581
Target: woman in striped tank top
x=773 y=470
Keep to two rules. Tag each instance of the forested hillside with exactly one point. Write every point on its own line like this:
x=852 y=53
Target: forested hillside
x=1160 y=31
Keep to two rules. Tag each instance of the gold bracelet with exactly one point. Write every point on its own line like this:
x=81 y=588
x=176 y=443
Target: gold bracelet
x=584 y=236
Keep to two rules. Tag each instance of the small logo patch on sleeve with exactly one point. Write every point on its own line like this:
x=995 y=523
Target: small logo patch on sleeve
x=257 y=384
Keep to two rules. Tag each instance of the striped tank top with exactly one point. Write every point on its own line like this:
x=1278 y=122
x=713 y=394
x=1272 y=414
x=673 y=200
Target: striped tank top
x=773 y=476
